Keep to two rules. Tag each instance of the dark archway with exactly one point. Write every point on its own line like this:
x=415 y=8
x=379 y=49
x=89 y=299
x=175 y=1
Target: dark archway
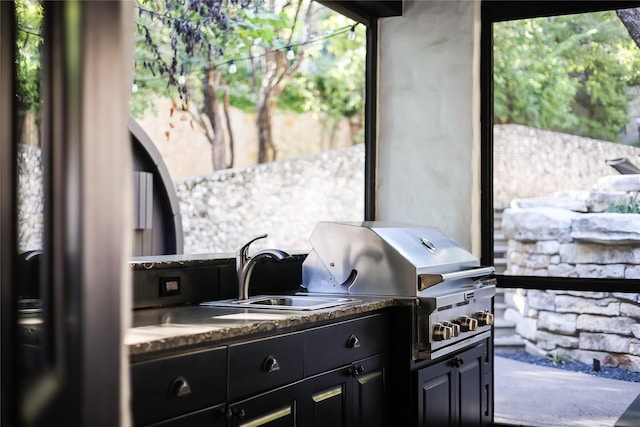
x=157 y=219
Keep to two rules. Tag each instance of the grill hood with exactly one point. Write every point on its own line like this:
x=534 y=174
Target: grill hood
x=381 y=258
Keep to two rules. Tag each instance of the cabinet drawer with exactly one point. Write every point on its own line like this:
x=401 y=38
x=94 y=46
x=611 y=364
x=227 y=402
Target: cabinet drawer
x=336 y=345
x=264 y=364
x=176 y=385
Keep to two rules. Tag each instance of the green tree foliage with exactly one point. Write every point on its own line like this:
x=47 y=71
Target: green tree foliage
x=28 y=42
x=241 y=58
x=565 y=73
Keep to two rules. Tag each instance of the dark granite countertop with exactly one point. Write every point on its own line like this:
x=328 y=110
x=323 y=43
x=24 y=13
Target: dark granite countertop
x=172 y=328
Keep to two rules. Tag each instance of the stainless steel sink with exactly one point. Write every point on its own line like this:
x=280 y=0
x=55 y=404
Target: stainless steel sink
x=283 y=302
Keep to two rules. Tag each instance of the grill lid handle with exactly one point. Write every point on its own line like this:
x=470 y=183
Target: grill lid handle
x=428 y=280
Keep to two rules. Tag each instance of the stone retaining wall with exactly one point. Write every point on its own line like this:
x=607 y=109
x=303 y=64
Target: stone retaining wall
x=570 y=236
x=285 y=199
x=580 y=325
x=30 y=198
x=530 y=162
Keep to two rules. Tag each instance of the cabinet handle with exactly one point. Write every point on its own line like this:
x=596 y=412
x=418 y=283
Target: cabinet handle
x=179 y=387
x=457 y=362
x=353 y=342
x=270 y=364
x=355 y=371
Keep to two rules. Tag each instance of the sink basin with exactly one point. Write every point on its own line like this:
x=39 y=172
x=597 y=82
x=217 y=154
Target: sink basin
x=284 y=302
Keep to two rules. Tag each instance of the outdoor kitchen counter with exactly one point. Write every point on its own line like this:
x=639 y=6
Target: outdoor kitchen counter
x=172 y=328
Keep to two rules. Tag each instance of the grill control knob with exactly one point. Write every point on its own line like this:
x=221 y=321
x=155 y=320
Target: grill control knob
x=468 y=324
x=441 y=332
x=484 y=318
x=455 y=328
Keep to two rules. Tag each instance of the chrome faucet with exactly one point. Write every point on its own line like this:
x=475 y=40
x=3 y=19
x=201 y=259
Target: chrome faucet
x=245 y=264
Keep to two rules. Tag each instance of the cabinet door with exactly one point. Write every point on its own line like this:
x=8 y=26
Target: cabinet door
x=369 y=404
x=277 y=408
x=472 y=389
x=456 y=391
x=325 y=400
x=437 y=395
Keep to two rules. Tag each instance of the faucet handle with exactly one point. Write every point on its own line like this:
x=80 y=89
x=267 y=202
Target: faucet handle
x=243 y=251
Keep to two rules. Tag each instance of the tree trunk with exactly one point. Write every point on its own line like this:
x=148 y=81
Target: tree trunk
x=211 y=82
x=355 y=124
x=266 y=148
x=277 y=72
x=631 y=20
x=227 y=117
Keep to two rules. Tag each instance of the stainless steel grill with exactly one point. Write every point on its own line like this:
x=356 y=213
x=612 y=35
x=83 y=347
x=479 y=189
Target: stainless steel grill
x=450 y=293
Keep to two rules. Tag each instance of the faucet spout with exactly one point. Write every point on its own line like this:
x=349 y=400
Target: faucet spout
x=245 y=264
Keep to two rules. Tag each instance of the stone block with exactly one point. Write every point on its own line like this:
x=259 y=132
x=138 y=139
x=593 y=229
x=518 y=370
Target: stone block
x=612 y=271
x=588 y=294
x=628 y=362
x=627 y=182
x=562 y=270
x=555 y=322
x=607 y=228
x=517 y=270
x=633 y=297
x=604 y=342
x=630 y=310
x=550 y=341
x=536 y=223
x=572 y=304
x=600 y=201
x=529 y=260
x=534 y=350
x=541 y=300
x=592 y=253
x=546 y=247
x=610 y=325
x=632 y=272
x=527 y=328
x=634 y=347
x=587 y=356
x=635 y=330
x=550 y=202
x=512 y=315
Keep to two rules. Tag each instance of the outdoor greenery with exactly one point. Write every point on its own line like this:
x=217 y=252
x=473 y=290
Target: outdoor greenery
x=28 y=42
x=565 y=73
x=208 y=55
x=627 y=205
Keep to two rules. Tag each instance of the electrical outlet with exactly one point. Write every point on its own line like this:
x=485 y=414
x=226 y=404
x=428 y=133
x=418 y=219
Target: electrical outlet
x=169 y=286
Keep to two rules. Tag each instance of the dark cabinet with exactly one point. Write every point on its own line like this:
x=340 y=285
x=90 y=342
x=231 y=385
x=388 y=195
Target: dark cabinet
x=369 y=395
x=456 y=391
x=325 y=400
x=276 y=408
x=265 y=364
x=333 y=375
x=173 y=386
x=353 y=395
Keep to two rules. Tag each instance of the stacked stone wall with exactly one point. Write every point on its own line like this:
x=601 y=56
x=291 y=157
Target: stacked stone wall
x=284 y=199
x=530 y=162
x=582 y=326
x=546 y=238
x=30 y=198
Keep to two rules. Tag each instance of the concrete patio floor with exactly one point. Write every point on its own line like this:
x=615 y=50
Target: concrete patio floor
x=531 y=395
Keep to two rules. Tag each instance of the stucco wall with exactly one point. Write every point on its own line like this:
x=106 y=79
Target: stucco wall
x=428 y=120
